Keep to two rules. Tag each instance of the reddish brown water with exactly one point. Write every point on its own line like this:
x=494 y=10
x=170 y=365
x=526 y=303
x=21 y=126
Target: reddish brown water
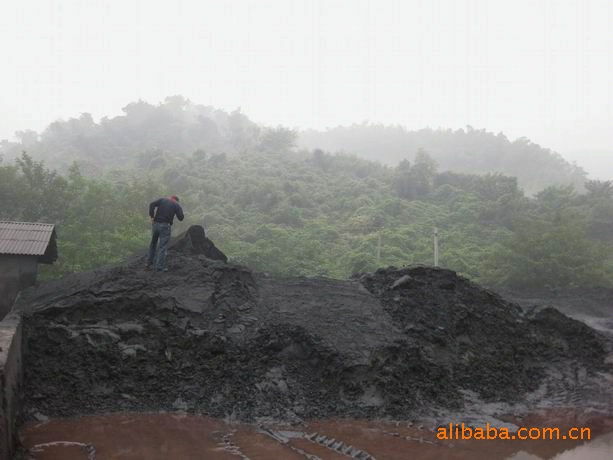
x=185 y=437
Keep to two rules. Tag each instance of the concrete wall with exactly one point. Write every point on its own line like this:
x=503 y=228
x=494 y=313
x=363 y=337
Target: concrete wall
x=10 y=382
x=16 y=273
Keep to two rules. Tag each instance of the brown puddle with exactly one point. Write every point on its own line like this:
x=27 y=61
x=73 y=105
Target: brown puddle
x=185 y=437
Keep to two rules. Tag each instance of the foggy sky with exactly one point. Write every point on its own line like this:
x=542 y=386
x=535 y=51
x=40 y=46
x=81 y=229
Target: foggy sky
x=541 y=69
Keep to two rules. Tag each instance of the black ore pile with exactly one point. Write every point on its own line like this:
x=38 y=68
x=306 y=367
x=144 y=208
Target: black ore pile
x=216 y=338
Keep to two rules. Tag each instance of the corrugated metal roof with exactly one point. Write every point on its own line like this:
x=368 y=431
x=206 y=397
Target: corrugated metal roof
x=26 y=238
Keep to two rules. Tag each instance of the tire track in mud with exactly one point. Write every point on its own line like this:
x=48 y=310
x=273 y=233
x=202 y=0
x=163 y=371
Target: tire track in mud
x=257 y=445
x=388 y=440
x=317 y=444
x=230 y=446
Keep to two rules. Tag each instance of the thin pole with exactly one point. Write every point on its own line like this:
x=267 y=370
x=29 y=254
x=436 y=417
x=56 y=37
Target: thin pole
x=379 y=248
x=435 y=246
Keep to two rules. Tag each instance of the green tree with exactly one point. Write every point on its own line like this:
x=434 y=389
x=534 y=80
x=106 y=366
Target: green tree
x=542 y=253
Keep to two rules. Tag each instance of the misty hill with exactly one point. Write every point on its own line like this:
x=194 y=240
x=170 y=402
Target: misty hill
x=294 y=212
x=174 y=127
x=180 y=127
x=467 y=151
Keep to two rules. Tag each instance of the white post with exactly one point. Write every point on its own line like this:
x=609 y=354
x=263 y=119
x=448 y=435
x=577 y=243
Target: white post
x=435 y=246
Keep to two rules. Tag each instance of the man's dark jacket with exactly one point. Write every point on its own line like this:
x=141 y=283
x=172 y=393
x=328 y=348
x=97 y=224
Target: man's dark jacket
x=166 y=210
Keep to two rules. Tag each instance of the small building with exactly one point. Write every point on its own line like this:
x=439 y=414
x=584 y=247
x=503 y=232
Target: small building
x=23 y=245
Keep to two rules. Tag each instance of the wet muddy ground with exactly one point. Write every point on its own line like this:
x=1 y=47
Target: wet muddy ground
x=213 y=338
x=217 y=339
x=186 y=437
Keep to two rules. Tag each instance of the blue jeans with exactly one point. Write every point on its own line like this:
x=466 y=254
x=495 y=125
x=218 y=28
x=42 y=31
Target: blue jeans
x=157 y=252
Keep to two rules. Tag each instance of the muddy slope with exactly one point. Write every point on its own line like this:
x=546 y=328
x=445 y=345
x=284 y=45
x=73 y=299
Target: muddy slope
x=216 y=338
x=593 y=306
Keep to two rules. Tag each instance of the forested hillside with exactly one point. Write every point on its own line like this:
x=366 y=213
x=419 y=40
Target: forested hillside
x=293 y=211
x=179 y=126
x=137 y=138
x=466 y=151
x=313 y=213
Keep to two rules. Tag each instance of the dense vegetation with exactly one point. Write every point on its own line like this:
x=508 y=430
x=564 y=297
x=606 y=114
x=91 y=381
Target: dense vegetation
x=318 y=214
x=298 y=212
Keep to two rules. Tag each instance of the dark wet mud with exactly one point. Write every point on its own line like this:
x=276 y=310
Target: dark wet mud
x=593 y=306
x=217 y=339
x=222 y=344
x=185 y=437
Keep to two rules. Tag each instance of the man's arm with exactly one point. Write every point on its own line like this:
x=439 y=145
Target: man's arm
x=179 y=211
x=152 y=206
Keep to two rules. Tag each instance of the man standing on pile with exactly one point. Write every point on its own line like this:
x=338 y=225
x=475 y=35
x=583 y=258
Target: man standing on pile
x=161 y=223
